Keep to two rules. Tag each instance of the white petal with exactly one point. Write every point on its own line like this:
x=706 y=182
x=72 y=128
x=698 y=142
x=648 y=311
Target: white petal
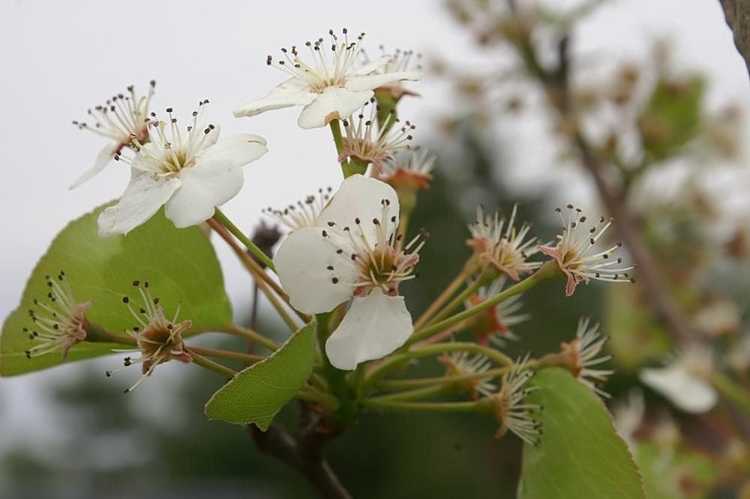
x=371 y=82
x=373 y=327
x=302 y=264
x=204 y=187
x=143 y=197
x=334 y=103
x=360 y=197
x=149 y=158
x=237 y=150
x=687 y=392
x=292 y=92
x=102 y=159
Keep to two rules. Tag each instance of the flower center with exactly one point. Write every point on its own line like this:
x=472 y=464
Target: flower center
x=324 y=70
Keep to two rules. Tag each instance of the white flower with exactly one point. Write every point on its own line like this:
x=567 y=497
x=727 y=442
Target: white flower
x=398 y=61
x=188 y=170
x=158 y=338
x=583 y=355
x=353 y=252
x=60 y=322
x=578 y=255
x=683 y=381
x=498 y=243
x=628 y=417
x=409 y=170
x=331 y=85
x=121 y=119
x=365 y=140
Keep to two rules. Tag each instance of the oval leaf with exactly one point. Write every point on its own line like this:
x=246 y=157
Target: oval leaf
x=180 y=266
x=256 y=394
x=580 y=454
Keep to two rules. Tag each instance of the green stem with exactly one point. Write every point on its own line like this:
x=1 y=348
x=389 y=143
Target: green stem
x=213 y=366
x=251 y=335
x=396 y=360
x=226 y=354
x=97 y=334
x=459 y=300
x=236 y=232
x=401 y=384
x=548 y=270
x=466 y=271
x=423 y=406
x=418 y=393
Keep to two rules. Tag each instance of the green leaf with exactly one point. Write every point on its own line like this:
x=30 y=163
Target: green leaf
x=180 y=266
x=580 y=454
x=256 y=394
x=672 y=116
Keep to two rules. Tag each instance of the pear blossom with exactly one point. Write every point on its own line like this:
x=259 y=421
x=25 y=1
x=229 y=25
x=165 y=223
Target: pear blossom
x=367 y=141
x=353 y=254
x=58 y=322
x=465 y=364
x=511 y=409
x=398 y=61
x=122 y=120
x=158 y=338
x=189 y=171
x=304 y=213
x=409 y=170
x=331 y=84
x=583 y=355
x=684 y=381
x=498 y=243
x=579 y=256
x=495 y=324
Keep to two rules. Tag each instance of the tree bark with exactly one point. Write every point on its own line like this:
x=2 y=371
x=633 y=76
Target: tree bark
x=737 y=14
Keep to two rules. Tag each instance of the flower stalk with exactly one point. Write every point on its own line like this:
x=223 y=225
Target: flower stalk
x=236 y=232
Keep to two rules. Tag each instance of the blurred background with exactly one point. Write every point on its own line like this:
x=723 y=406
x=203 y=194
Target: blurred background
x=71 y=433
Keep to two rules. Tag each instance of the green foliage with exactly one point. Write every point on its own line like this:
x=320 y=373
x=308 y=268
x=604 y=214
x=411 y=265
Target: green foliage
x=634 y=336
x=180 y=266
x=580 y=454
x=259 y=392
x=669 y=473
x=671 y=117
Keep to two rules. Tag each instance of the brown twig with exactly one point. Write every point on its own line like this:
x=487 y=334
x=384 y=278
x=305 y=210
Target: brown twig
x=303 y=452
x=737 y=14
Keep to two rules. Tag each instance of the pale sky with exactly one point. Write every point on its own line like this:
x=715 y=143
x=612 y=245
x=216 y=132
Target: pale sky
x=60 y=58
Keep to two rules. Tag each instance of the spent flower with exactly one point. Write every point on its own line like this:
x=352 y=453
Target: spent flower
x=158 y=338
x=494 y=325
x=331 y=83
x=59 y=322
x=579 y=255
x=583 y=355
x=466 y=364
x=353 y=254
x=511 y=409
x=499 y=244
x=409 y=170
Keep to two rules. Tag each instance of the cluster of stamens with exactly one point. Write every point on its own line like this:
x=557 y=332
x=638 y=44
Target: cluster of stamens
x=380 y=262
x=408 y=170
x=495 y=324
x=325 y=70
x=497 y=242
x=158 y=338
x=512 y=411
x=59 y=322
x=122 y=118
x=583 y=356
x=302 y=214
x=578 y=254
x=471 y=366
x=368 y=141
x=170 y=147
